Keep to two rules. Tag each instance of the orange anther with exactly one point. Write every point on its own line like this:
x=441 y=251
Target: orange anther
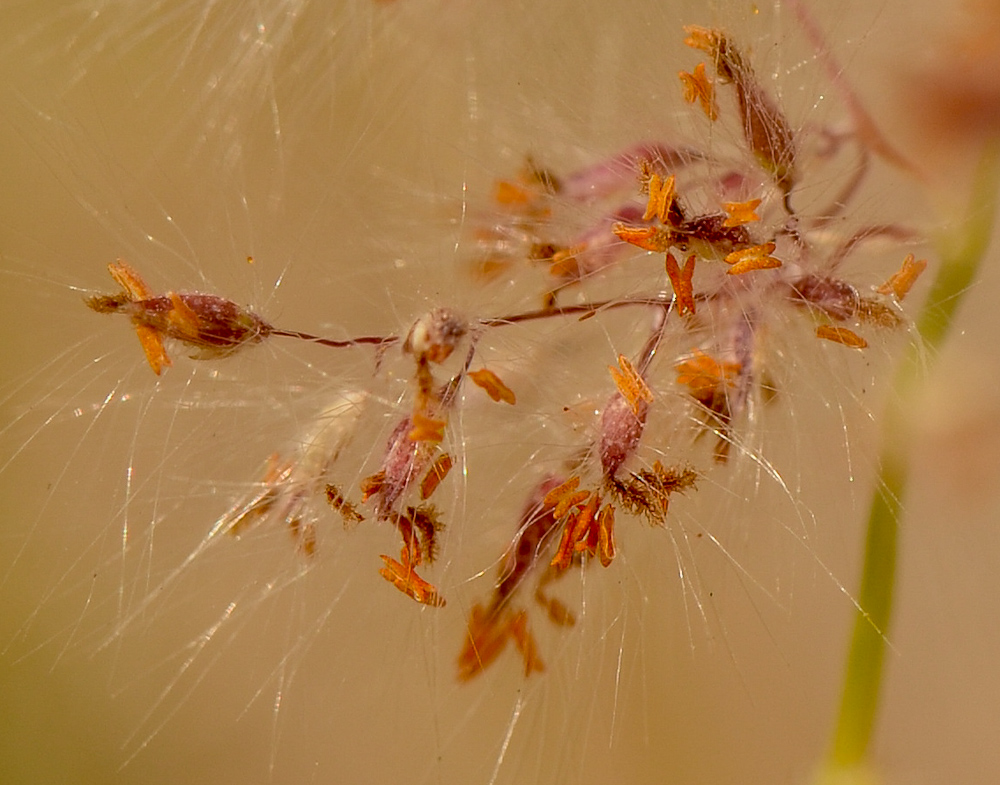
x=630 y=384
x=698 y=87
x=741 y=212
x=661 y=196
x=756 y=257
x=494 y=387
x=405 y=578
x=649 y=238
x=841 y=335
x=902 y=280
x=681 y=280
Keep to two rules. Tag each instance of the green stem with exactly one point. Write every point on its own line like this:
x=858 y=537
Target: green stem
x=847 y=761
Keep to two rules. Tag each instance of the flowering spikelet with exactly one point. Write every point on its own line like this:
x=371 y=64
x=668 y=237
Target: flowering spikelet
x=213 y=326
x=767 y=132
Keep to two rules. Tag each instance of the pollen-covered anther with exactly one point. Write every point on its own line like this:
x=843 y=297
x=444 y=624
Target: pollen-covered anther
x=493 y=386
x=698 y=87
x=426 y=429
x=576 y=531
x=435 y=335
x=841 y=335
x=563 y=498
x=606 y=535
x=648 y=238
x=515 y=194
x=555 y=609
x=706 y=39
x=661 y=196
x=404 y=577
x=527 y=193
x=681 y=280
x=564 y=553
x=565 y=263
x=598 y=538
x=756 y=257
x=703 y=375
x=486 y=638
x=435 y=475
x=741 y=212
x=489 y=630
x=630 y=384
x=901 y=281
x=525 y=643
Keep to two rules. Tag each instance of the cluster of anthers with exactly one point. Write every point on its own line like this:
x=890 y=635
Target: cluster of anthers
x=702 y=207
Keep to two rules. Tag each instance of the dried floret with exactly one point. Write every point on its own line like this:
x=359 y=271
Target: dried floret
x=486 y=637
x=419 y=527
x=648 y=492
x=291 y=483
x=621 y=428
x=836 y=298
x=709 y=232
x=281 y=496
x=346 y=509
x=524 y=553
x=435 y=335
x=404 y=459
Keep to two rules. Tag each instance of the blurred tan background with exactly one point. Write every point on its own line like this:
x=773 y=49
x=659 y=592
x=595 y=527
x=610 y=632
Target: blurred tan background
x=344 y=147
